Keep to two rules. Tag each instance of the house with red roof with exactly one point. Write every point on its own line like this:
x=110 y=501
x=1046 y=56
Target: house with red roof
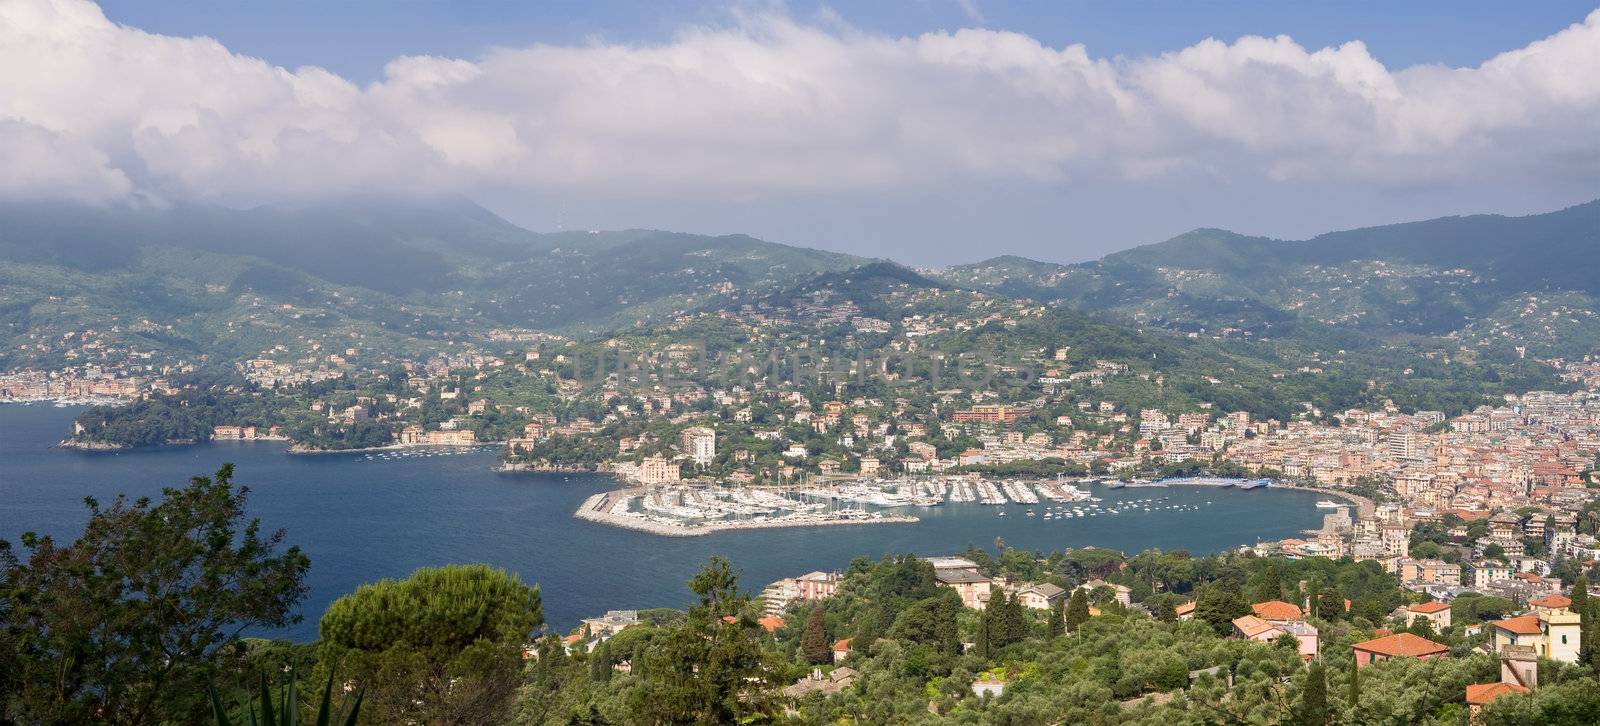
x=1277 y=610
x=1483 y=694
x=841 y=650
x=1399 y=645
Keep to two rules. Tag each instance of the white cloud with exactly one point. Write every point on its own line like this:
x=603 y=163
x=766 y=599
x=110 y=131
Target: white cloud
x=93 y=110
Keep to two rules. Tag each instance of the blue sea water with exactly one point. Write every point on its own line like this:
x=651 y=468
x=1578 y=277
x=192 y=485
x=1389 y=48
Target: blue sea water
x=361 y=519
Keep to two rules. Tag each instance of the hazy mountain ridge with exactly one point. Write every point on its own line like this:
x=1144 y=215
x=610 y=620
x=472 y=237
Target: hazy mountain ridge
x=411 y=269
x=1432 y=277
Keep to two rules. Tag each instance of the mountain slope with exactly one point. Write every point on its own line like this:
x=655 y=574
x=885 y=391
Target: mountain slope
x=187 y=279
x=1431 y=278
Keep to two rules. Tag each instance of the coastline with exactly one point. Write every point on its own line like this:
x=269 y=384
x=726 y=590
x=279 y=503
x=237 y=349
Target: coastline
x=1364 y=506
x=509 y=467
x=597 y=508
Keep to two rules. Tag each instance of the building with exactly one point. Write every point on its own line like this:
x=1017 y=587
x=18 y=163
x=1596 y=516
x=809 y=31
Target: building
x=1041 y=596
x=1480 y=574
x=613 y=622
x=1432 y=572
x=1277 y=610
x=699 y=443
x=1436 y=613
x=989 y=685
x=972 y=586
x=658 y=470
x=992 y=414
x=817 y=585
x=1483 y=694
x=1399 y=645
x=1250 y=627
x=1123 y=594
x=1553 y=634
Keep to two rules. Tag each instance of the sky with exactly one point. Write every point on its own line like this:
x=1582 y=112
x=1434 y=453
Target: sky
x=927 y=131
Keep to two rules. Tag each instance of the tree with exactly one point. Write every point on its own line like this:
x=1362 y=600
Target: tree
x=442 y=646
x=1312 y=710
x=713 y=669
x=1077 y=610
x=814 y=643
x=1057 y=623
x=1219 y=605
x=129 y=622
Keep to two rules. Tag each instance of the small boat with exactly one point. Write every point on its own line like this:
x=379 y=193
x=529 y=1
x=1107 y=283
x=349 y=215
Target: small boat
x=1329 y=504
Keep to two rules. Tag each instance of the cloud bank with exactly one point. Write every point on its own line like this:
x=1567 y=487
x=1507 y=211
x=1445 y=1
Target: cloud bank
x=94 y=111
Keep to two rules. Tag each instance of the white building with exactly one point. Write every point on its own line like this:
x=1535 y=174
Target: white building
x=699 y=443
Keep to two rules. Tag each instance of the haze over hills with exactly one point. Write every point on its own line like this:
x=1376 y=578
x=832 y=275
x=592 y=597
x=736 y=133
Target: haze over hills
x=1433 y=277
x=230 y=283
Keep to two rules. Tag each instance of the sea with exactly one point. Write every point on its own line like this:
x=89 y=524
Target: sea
x=363 y=517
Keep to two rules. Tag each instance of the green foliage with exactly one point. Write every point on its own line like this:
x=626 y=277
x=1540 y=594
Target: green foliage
x=1217 y=606
x=1313 y=709
x=1077 y=611
x=442 y=645
x=130 y=622
x=287 y=712
x=1572 y=703
x=713 y=669
x=814 y=644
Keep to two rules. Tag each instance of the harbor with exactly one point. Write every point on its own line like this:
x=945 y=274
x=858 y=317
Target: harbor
x=691 y=509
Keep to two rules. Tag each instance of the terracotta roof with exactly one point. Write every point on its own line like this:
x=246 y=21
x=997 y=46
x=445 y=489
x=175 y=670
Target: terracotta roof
x=1402 y=644
x=771 y=623
x=1276 y=610
x=842 y=645
x=1521 y=625
x=1552 y=601
x=1482 y=694
x=1185 y=608
x=1429 y=608
x=1251 y=626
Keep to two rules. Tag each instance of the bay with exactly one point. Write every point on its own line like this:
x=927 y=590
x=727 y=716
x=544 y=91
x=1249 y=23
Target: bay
x=363 y=518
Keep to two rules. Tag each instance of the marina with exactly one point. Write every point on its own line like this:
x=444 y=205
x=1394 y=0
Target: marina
x=695 y=509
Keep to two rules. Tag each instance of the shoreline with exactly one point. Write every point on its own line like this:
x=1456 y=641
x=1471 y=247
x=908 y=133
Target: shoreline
x=1364 y=506
x=507 y=467
x=597 y=508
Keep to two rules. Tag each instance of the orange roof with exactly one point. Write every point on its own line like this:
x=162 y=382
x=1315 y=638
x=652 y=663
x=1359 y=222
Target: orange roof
x=1185 y=608
x=1430 y=607
x=1251 y=626
x=1276 y=610
x=1482 y=694
x=570 y=639
x=771 y=623
x=729 y=619
x=842 y=644
x=1552 y=601
x=1402 y=644
x=1521 y=625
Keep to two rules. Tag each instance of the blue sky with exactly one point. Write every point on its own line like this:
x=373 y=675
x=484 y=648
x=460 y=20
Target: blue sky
x=927 y=131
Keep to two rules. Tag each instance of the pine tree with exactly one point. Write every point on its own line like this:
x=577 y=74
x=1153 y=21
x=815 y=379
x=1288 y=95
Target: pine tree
x=1218 y=606
x=1355 y=688
x=814 y=642
x=1013 y=621
x=1057 y=623
x=1077 y=610
x=1313 y=707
